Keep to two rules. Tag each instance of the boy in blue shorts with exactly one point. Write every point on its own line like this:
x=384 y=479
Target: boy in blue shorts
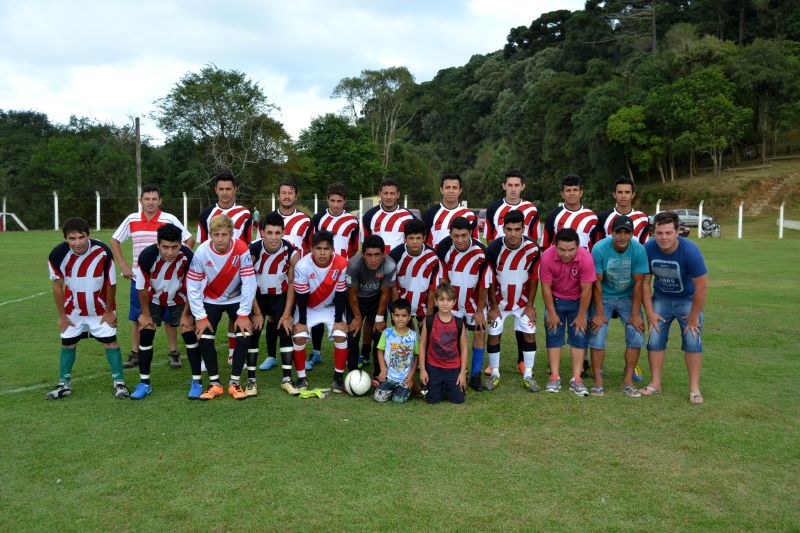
x=397 y=356
x=680 y=287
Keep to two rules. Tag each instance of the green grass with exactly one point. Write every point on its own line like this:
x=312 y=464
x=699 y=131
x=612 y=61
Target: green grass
x=505 y=460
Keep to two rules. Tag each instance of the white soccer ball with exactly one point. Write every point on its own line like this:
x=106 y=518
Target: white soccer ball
x=357 y=383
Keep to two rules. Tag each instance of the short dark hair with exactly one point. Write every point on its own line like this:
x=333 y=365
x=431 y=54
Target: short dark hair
x=413 y=227
x=225 y=176
x=401 y=304
x=624 y=180
x=667 y=217
x=373 y=241
x=514 y=217
x=514 y=173
x=338 y=189
x=150 y=188
x=322 y=236
x=571 y=181
x=460 y=223
x=567 y=235
x=289 y=184
x=272 y=219
x=75 y=224
x=389 y=182
x=450 y=176
x=168 y=232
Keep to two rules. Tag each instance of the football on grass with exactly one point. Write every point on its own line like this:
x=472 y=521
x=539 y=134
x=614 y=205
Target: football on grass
x=357 y=383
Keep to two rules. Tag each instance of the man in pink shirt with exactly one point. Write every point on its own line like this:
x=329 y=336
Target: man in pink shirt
x=566 y=273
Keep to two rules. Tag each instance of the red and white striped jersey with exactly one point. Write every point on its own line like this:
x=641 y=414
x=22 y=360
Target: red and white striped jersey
x=496 y=214
x=583 y=221
x=388 y=225
x=86 y=277
x=272 y=269
x=513 y=270
x=467 y=271
x=641 y=224
x=242 y=222
x=142 y=232
x=344 y=229
x=165 y=281
x=416 y=275
x=221 y=279
x=297 y=230
x=320 y=283
x=438 y=218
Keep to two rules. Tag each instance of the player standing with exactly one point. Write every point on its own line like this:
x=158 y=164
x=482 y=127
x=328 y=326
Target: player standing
x=624 y=193
x=387 y=219
x=571 y=215
x=438 y=217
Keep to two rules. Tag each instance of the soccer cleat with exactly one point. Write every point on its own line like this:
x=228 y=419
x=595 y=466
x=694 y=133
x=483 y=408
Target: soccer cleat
x=316 y=358
x=213 y=390
x=250 y=389
x=175 y=359
x=492 y=383
x=140 y=391
x=289 y=388
x=121 y=391
x=521 y=367
x=553 y=385
x=195 y=390
x=585 y=371
x=476 y=383
x=338 y=385
x=577 y=386
x=301 y=384
x=236 y=391
x=530 y=384
x=638 y=375
x=62 y=390
x=133 y=360
x=268 y=364
x=363 y=361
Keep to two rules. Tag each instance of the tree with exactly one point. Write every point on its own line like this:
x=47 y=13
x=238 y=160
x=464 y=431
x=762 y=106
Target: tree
x=228 y=114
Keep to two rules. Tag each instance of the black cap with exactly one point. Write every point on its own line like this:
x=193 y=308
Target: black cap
x=622 y=222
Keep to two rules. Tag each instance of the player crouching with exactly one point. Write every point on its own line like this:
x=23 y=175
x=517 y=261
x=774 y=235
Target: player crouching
x=221 y=280
x=84 y=289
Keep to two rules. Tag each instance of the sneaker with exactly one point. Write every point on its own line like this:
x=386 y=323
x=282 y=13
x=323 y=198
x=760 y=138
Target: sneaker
x=337 y=386
x=62 y=390
x=133 y=360
x=121 y=391
x=140 y=391
x=363 y=361
x=476 y=383
x=195 y=390
x=521 y=367
x=175 y=359
x=586 y=369
x=492 y=383
x=268 y=364
x=553 y=385
x=236 y=392
x=251 y=389
x=577 y=386
x=289 y=388
x=530 y=384
x=638 y=375
x=213 y=390
x=301 y=384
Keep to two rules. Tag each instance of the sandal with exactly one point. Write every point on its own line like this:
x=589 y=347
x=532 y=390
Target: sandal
x=695 y=398
x=630 y=392
x=598 y=391
x=649 y=391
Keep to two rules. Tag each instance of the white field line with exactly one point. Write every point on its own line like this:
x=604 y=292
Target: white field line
x=23 y=299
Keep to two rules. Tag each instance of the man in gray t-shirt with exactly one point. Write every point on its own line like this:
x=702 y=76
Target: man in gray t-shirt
x=370 y=277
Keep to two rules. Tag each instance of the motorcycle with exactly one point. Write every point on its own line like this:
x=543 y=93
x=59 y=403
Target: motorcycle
x=710 y=229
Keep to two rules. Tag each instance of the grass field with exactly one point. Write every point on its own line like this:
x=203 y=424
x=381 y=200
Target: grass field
x=505 y=460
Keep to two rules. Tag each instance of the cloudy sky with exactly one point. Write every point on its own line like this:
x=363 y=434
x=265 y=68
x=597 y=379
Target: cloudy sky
x=109 y=60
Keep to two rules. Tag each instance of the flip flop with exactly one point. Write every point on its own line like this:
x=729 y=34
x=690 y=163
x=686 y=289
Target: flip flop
x=695 y=398
x=597 y=391
x=631 y=392
x=649 y=391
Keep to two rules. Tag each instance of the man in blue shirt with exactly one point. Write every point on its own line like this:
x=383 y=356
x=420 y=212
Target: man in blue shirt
x=620 y=263
x=680 y=286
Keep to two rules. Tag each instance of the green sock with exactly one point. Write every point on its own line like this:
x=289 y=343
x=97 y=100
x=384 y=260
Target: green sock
x=114 y=356
x=67 y=360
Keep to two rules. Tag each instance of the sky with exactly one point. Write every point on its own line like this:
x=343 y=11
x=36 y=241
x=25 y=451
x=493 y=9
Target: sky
x=110 y=60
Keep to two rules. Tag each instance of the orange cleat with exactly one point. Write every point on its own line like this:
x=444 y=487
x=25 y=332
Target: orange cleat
x=212 y=392
x=236 y=392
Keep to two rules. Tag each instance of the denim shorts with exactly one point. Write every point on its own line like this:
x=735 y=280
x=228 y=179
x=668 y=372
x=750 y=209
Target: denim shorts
x=567 y=311
x=674 y=310
x=633 y=337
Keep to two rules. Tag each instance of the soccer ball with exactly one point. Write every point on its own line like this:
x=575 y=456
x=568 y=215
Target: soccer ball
x=357 y=383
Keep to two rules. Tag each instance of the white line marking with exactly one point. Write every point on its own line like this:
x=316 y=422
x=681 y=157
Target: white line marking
x=23 y=299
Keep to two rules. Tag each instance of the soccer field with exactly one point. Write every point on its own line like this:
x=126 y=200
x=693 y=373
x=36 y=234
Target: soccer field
x=507 y=459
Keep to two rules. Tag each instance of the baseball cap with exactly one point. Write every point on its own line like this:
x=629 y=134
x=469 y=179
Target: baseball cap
x=622 y=222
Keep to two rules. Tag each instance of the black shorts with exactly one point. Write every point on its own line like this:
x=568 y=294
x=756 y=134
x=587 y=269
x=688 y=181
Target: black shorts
x=171 y=314
x=368 y=307
x=442 y=385
x=215 y=312
x=271 y=305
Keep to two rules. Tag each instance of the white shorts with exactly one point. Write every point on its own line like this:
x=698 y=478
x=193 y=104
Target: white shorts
x=90 y=325
x=522 y=323
x=469 y=318
x=323 y=315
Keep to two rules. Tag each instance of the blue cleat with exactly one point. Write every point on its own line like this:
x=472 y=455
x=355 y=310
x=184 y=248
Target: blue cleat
x=268 y=364
x=316 y=358
x=141 y=390
x=309 y=365
x=195 y=390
